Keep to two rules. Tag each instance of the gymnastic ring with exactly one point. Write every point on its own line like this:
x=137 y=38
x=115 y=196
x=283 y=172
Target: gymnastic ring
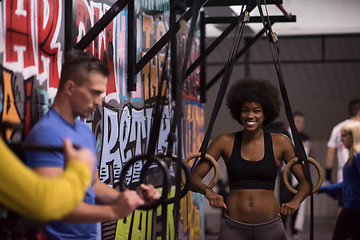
x=295 y=160
x=185 y=169
x=166 y=179
x=168 y=160
x=212 y=161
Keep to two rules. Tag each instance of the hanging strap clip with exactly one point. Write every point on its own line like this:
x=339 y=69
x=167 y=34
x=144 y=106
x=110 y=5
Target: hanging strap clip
x=273 y=37
x=246 y=17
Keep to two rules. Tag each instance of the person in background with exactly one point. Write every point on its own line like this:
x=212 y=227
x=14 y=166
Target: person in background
x=297 y=219
x=252 y=158
x=336 y=146
x=83 y=80
x=347 y=224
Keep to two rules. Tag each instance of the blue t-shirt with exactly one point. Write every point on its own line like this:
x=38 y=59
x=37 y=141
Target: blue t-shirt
x=51 y=130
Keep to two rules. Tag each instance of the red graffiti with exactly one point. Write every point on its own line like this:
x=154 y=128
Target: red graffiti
x=48 y=30
x=19 y=38
x=192 y=83
x=26 y=47
x=83 y=22
x=49 y=23
x=102 y=46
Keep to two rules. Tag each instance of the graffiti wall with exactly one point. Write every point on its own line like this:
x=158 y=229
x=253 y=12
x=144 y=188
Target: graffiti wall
x=32 y=48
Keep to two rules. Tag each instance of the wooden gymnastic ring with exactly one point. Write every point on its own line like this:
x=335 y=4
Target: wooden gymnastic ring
x=213 y=162
x=295 y=160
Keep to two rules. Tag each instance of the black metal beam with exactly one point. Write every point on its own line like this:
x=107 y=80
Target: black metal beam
x=256 y=19
x=70 y=15
x=131 y=82
x=241 y=52
x=319 y=60
x=305 y=61
x=101 y=24
x=233 y=21
x=164 y=39
x=173 y=48
x=202 y=90
x=223 y=3
x=213 y=45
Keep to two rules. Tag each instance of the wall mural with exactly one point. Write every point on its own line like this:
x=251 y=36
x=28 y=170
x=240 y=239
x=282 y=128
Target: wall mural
x=31 y=53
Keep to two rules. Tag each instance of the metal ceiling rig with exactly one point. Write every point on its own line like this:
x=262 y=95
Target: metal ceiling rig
x=134 y=69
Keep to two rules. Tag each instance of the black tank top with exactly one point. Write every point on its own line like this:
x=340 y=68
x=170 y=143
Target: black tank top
x=244 y=174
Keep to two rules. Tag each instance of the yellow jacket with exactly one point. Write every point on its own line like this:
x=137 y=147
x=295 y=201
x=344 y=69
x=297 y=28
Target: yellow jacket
x=37 y=197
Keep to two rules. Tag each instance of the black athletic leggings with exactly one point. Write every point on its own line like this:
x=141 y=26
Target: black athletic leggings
x=347 y=225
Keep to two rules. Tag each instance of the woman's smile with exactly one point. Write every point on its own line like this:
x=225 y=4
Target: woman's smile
x=252 y=114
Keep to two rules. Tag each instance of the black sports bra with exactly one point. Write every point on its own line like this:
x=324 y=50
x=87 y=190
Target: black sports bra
x=244 y=174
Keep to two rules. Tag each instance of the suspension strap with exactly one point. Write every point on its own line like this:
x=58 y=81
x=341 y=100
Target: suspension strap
x=181 y=78
x=178 y=113
x=159 y=107
x=243 y=17
x=299 y=148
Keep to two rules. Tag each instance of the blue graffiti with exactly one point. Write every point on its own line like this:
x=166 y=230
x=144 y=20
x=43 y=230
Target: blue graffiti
x=44 y=101
x=125 y=135
x=1 y=102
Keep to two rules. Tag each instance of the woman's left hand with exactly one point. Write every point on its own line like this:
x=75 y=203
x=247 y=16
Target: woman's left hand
x=288 y=208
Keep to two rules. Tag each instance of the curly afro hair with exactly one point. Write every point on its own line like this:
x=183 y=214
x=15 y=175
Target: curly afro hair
x=254 y=90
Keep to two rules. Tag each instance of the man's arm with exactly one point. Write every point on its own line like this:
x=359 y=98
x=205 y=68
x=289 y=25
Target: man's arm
x=108 y=195
x=330 y=155
x=50 y=172
x=83 y=213
x=116 y=207
x=104 y=193
x=125 y=204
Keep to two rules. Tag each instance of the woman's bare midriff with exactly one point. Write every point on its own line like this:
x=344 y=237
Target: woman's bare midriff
x=252 y=205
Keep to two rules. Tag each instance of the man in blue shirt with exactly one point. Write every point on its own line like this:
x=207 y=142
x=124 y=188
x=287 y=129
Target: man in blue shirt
x=83 y=81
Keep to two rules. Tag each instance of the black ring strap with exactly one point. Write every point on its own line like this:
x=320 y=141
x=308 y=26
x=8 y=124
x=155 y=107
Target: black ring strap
x=299 y=148
x=152 y=159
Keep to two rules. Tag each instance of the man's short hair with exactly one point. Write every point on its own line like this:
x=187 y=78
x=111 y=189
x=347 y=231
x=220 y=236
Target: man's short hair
x=298 y=113
x=354 y=107
x=78 y=64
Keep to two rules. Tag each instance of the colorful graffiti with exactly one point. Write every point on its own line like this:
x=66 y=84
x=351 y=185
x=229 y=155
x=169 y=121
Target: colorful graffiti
x=15 y=105
x=32 y=40
x=192 y=83
x=124 y=134
x=9 y=112
x=31 y=53
x=87 y=14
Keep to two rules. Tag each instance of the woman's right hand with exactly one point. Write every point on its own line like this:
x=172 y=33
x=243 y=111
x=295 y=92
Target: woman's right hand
x=215 y=200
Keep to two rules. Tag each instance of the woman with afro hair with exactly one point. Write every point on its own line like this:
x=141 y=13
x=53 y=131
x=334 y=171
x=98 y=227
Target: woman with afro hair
x=252 y=158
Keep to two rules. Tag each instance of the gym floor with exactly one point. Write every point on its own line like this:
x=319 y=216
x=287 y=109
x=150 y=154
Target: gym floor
x=323 y=227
